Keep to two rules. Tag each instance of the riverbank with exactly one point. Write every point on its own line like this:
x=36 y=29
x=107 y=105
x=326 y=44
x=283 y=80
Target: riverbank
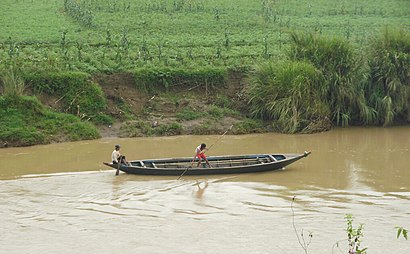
x=112 y=105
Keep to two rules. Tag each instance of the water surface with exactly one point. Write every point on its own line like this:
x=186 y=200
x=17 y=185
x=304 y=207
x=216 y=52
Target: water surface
x=60 y=198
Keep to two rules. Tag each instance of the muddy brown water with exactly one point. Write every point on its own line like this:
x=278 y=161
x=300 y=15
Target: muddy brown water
x=59 y=198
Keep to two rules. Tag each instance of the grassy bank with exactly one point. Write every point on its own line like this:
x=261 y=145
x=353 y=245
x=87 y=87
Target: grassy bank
x=25 y=121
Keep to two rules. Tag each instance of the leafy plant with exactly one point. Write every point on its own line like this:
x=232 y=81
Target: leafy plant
x=401 y=231
x=354 y=236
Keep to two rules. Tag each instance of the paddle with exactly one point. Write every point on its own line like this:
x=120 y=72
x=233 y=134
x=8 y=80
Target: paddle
x=205 y=151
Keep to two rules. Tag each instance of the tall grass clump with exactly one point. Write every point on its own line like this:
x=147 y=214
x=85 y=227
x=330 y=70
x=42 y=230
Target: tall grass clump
x=289 y=94
x=388 y=88
x=13 y=84
x=342 y=87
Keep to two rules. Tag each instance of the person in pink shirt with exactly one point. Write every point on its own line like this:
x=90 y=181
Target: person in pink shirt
x=200 y=154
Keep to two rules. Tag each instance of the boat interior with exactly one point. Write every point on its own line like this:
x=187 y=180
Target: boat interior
x=215 y=161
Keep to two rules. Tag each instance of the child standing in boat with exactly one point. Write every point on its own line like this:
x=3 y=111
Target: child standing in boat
x=200 y=154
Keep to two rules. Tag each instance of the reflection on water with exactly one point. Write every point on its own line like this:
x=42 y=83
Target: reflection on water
x=59 y=198
x=199 y=193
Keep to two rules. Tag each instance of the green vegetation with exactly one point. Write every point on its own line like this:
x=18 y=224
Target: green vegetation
x=25 y=121
x=158 y=79
x=76 y=93
x=189 y=114
x=340 y=71
x=336 y=60
x=111 y=36
x=287 y=94
x=402 y=231
x=13 y=85
x=388 y=88
x=326 y=81
x=354 y=236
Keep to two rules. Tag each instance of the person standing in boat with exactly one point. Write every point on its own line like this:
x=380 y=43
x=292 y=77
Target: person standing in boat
x=116 y=156
x=200 y=154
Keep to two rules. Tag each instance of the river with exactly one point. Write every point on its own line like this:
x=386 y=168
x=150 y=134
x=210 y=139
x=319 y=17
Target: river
x=59 y=198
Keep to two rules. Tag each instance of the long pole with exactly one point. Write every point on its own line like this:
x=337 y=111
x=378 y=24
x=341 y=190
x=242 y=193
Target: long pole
x=207 y=150
x=118 y=169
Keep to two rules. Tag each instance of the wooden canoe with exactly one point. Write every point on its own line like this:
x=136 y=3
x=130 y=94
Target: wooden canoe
x=230 y=164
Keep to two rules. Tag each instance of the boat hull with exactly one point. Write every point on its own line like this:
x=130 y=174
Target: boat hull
x=221 y=165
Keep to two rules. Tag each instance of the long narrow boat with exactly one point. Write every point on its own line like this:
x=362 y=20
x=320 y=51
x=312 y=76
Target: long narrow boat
x=230 y=164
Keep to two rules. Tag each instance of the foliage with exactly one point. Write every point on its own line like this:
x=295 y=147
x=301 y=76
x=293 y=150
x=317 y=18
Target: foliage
x=388 y=88
x=78 y=12
x=151 y=79
x=107 y=35
x=218 y=112
x=189 y=114
x=78 y=95
x=103 y=119
x=13 y=84
x=168 y=129
x=337 y=61
x=287 y=93
x=354 y=236
x=248 y=126
x=401 y=231
x=25 y=121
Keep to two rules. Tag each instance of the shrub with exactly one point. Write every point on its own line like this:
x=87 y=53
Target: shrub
x=341 y=89
x=288 y=93
x=388 y=89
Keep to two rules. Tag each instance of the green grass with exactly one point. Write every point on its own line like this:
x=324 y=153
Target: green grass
x=144 y=33
x=25 y=121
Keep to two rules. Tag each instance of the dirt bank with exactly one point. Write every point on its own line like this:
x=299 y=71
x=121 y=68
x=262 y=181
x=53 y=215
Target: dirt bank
x=172 y=112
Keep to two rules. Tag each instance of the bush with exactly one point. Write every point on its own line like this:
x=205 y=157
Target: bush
x=388 y=89
x=341 y=89
x=288 y=93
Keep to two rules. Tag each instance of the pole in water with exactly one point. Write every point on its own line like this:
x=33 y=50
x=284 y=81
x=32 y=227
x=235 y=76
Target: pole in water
x=184 y=172
x=118 y=169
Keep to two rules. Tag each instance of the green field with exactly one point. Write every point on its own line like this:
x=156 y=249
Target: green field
x=117 y=35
